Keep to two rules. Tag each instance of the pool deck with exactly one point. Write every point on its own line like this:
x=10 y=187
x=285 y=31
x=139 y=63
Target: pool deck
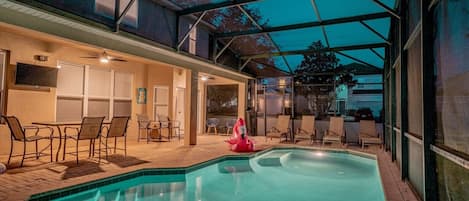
x=39 y=175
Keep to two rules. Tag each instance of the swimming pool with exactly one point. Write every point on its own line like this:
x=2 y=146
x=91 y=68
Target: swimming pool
x=285 y=174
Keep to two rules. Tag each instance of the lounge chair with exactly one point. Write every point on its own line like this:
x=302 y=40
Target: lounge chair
x=90 y=129
x=282 y=129
x=118 y=128
x=18 y=133
x=336 y=132
x=307 y=131
x=368 y=134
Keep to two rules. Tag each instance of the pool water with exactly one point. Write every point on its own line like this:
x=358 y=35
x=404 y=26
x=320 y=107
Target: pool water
x=292 y=175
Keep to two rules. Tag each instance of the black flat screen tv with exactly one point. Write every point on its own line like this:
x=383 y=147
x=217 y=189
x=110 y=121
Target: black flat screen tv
x=28 y=74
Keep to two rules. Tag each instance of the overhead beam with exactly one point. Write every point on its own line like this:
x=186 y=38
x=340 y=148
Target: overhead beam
x=270 y=66
x=250 y=17
x=190 y=30
x=375 y=32
x=388 y=9
x=355 y=59
x=213 y=6
x=244 y=64
x=332 y=49
x=266 y=35
x=120 y=16
x=306 y=25
x=283 y=56
x=316 y=10
x=126 y=10
x=223 y=49
x=117 y=12
x=377 y=54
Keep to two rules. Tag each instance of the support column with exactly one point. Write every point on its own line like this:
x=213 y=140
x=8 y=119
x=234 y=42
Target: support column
x=404 y=109
x=392 y=93
x=429 y=119
x=190 y=127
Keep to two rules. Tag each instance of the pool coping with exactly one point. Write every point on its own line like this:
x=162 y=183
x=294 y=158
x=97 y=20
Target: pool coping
x=68 y=190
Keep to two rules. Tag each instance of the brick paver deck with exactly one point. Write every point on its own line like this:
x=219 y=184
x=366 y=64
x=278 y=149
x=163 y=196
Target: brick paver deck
x=39 y=175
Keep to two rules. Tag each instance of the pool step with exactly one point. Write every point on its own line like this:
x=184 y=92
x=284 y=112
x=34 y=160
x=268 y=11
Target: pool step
x=273 y=159
x=232 y=166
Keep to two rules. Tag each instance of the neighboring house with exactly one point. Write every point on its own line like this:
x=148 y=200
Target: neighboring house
x=366 y=93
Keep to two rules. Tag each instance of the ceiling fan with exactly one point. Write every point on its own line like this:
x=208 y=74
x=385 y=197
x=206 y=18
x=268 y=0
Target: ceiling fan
x=105 y=58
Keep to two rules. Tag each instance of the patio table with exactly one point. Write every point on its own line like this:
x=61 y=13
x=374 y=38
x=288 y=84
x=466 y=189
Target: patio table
x=58 y=125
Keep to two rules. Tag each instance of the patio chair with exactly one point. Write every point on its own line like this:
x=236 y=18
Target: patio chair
x=172 y=125
x=229 y=125
x=165 y=123
x=118 y=128
x=282 y=129
x=307 y=131
x=336 y=132
x=368 y=134
x=90 y=129
x=212 y=123
x=18 y=133
x=143 y=122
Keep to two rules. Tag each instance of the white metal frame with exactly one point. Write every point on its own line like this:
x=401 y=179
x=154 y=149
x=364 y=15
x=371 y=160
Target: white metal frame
x=193 y=40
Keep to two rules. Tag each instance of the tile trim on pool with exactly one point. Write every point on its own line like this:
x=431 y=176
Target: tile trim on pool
x=57 y=193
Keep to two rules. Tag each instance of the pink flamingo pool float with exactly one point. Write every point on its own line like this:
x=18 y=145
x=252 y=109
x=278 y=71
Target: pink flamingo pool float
x=239 y=141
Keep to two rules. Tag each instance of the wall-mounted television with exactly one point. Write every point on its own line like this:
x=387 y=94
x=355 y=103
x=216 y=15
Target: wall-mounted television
x=34 y=75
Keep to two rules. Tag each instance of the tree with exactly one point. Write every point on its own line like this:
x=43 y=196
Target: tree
x=316 y=79
x=233 y=19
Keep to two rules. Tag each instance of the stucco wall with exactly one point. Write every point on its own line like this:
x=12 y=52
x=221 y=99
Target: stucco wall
x=30 y=105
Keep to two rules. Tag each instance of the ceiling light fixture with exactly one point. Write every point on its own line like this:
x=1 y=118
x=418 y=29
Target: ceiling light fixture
x=104 y=60
x=204 y=78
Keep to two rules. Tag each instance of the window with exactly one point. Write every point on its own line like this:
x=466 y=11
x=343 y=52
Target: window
x=122 y=94
x=70 y=92
x=452 y=75
x=107 y=7
x=91 y=91
x=414 y=83
x=193 y=40
x=99 y=82
x=451 y=50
